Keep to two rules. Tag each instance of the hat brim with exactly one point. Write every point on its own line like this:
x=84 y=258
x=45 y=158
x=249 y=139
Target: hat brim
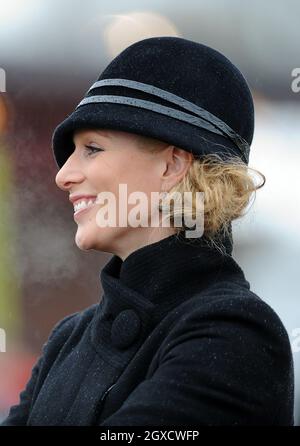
x=140 y=121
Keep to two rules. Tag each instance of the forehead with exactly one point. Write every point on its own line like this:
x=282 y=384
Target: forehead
x=107 y=134
x=86 y=132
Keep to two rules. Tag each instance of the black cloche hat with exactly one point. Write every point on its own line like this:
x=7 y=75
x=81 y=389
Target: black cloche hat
x=172 y=89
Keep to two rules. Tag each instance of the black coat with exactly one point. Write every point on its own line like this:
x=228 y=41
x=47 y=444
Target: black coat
x=177 y=339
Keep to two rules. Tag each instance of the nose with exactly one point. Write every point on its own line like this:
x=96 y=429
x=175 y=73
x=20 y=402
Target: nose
x=69 y=174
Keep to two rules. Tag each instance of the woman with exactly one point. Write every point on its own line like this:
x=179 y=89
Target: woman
x=178 y=338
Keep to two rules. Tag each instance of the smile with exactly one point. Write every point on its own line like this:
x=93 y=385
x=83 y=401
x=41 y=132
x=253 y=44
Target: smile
x=83 y=204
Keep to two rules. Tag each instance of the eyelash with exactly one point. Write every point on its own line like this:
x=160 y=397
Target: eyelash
x=91 y=148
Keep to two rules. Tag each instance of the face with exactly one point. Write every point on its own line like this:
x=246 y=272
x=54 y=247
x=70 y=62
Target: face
x=102 y=160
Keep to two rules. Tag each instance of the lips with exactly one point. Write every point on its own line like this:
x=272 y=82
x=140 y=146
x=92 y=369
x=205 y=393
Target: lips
x=75 y=198
x=82 y=203
x=79 y=213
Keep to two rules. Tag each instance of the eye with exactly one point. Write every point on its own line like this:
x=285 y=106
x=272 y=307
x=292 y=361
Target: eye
x=91 y=150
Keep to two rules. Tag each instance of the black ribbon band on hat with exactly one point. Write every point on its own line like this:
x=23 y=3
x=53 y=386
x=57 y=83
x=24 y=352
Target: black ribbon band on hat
x=204 y=118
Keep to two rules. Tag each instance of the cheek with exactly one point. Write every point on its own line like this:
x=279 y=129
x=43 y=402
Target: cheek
x=139 y=175
x=101 y=178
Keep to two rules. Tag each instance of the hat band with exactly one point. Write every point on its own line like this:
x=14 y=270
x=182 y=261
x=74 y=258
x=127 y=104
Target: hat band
x=204 y=118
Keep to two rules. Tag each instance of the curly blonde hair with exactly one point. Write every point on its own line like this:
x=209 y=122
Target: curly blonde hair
x=228 y=186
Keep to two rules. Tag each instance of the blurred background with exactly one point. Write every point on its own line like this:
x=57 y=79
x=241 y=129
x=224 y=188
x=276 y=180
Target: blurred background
x=50 y=53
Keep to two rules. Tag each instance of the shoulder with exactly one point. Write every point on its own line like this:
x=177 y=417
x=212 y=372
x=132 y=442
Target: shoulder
x=237 y=333
x=232 y=301
x=229 y=309
x=234 y=344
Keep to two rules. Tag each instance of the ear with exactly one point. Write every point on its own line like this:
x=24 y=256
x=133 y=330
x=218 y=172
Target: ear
x=177 y=163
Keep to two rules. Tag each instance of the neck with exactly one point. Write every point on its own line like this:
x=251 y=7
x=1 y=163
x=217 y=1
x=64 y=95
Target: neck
x=173 y=266
x=143 y=237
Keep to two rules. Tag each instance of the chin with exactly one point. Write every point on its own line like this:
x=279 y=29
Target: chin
x=91 y=239
x=84 y=241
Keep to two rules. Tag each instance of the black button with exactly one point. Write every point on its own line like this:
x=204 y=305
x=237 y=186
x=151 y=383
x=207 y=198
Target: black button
x=125 y=329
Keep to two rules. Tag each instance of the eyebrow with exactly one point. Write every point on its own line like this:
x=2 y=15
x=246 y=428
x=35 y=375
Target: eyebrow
x=98 y=134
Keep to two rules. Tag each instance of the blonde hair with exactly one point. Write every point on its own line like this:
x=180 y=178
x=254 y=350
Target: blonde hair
x=227 y=185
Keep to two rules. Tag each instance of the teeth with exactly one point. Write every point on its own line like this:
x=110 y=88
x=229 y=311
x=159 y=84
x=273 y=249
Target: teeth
x=83 y=204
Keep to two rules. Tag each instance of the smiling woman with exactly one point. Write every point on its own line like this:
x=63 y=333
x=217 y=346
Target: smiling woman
x=178 y=337
x=115 y=158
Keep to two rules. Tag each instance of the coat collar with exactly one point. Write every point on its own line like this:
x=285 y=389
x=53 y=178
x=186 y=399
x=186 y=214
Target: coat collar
x=168 y=271
x=153 y=280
